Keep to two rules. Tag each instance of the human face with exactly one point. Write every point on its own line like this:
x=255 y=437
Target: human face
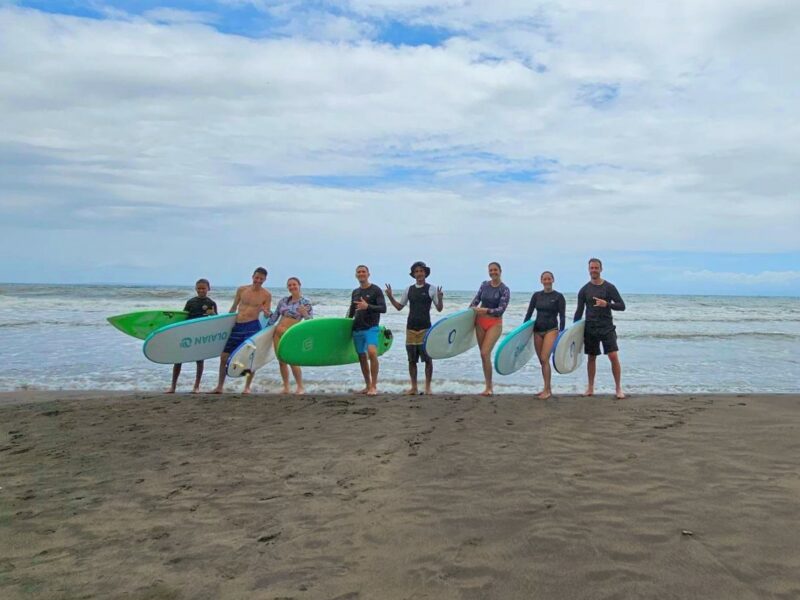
x=258 y=280
x=494 y=272
x=294 y=287
x=594 y=270
x=362 y=275
x=419 y=274
x=201 y=289
x=547 y=281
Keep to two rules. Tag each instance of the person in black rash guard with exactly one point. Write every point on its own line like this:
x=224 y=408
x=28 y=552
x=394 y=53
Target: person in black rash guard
x=420 y=297
x=199 y=306
x=550 y=307
x=367 y=304
x=600 y=297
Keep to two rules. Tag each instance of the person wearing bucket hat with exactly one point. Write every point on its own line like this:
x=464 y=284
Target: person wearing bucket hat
x=420 y=297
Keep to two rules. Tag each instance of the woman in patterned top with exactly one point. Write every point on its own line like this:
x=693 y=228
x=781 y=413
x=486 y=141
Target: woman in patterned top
x=489 y=305
x=290 y=311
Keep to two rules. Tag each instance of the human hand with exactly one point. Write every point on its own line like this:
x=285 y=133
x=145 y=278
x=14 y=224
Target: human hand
x=388 y=289
x=362 y=304
x=439 y=293
x=599 y=302
x=302 y=310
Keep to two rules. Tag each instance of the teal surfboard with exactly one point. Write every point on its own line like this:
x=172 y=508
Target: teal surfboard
x=142 y=323
x=324 y=342
x=515 y=350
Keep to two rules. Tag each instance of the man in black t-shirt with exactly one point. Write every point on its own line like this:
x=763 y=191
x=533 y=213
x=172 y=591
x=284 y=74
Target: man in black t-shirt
x=199 y=306
x=367 y=304
x=600 y=297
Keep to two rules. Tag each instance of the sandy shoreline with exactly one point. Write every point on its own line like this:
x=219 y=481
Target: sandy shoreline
x=147 y=496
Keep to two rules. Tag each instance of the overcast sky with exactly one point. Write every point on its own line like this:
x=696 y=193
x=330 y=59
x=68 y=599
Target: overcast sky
x=161 y=141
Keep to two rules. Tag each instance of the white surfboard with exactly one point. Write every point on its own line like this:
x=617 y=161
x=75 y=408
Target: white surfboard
x=451 y=335
x=253 y=353
x=515 y=350
x=197 y=339
x=568 y=349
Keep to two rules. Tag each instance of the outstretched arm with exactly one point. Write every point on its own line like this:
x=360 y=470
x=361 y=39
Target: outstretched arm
x=579 y=310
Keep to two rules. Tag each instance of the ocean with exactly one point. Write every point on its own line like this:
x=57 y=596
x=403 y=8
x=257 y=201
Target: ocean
x=56 y=337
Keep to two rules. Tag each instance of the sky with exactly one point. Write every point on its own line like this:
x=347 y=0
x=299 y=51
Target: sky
x=155 y=142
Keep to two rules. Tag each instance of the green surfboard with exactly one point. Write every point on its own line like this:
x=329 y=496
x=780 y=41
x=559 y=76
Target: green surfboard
x=324 y=342
x=143 y=323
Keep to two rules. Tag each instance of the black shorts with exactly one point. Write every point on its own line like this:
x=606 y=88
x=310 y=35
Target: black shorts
x=416 y=353
x=594 y=336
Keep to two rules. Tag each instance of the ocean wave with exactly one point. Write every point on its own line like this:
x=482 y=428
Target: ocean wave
x=714 y=336
x=21 y=324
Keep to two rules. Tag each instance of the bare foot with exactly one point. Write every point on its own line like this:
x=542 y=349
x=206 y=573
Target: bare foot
x=170 y=391
x=372 y=392
x=217 y=390
x=195 y=390
x=620 y=395
x=286 y=390
x=427 y=391
x=246 y=391
x=589 y=392
x=411 y=392
x=300 y=390
x=544 y=395
x=487 y=392
x=364 y=391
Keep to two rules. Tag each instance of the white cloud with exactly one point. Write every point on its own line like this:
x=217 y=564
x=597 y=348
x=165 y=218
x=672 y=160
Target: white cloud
x=165 y=121
x=746 y=279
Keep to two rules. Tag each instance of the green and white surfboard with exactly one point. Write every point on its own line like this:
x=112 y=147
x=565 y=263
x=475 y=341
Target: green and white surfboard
x=324 y=342
x=143 y=323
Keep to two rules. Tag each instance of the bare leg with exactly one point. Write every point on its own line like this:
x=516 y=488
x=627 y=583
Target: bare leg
x=248 y=382
x=284 y=369
x=223 y=365
x=372 y=351
x=198 y=376
x=298 y=380
x=489 y=340
x=591 y=369
x=616 y=370
x=544 y=359
x=428 y=375
x=363 y=362
x=412 y=373
x=538 y=341
x=176 y=370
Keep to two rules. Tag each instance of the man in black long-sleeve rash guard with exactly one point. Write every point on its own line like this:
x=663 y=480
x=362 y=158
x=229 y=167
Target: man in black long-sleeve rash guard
x=599 y=298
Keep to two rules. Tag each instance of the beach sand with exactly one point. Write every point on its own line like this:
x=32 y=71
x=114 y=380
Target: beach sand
x=143 y=496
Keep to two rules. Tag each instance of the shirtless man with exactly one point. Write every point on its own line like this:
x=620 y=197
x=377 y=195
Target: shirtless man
x=250 y=301
x=600 y=297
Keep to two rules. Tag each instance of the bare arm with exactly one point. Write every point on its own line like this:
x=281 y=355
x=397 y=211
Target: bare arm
x=236 y=299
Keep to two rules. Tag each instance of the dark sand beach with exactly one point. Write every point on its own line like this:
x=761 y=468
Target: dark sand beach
x=146 y=497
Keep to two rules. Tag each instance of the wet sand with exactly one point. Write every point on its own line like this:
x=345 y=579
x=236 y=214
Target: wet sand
x=145 y=497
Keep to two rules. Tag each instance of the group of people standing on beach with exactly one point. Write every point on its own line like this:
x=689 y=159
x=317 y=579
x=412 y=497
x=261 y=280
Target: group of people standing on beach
x=598 y=298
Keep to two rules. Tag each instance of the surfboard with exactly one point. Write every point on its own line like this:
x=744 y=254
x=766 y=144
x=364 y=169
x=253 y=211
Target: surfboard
x=197 y=339
x=142 y=323
x=451 y=335
x=252 y=354
x=325 y=342
x=515 y=350
x=568 y=348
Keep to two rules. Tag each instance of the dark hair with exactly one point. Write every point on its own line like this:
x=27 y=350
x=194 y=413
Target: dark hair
x=362 y=266
x=498 y=265
x=597 y=260
x=202 y=280
x=296 y=279
x=545 y=273
x=261 y=270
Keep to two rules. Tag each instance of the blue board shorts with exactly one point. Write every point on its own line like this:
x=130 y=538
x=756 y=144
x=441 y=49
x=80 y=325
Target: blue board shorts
x=363 y=338
x=239 y=333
